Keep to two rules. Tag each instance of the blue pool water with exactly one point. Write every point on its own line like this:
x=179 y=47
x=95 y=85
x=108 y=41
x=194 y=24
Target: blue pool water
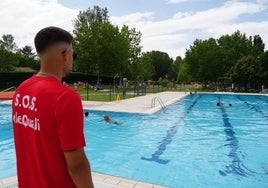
x=192 y=143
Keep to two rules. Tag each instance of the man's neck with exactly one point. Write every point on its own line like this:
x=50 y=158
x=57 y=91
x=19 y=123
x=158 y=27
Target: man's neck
x=48 y=73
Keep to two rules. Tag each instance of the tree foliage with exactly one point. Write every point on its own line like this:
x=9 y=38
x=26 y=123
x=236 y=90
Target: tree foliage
x=203 y=59
x=174 y=68
x=11 y=56
x=247 y=70
x=161 y=62
x=102 y=48
x=183 y=74
x=142 y=68
x=27 y=52
x=8 y=61
x=7 y=43
x=235 y=56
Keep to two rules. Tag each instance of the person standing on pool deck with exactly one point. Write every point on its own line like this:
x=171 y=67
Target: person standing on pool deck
x=48 y=120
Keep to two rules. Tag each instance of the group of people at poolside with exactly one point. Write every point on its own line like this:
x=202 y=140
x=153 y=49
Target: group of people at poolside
x=107 y=119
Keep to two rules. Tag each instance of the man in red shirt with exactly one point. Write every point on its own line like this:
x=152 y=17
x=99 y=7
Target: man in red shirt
x=48 y=120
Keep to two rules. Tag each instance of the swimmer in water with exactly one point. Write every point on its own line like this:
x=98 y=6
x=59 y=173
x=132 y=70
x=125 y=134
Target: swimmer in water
x=109 y=120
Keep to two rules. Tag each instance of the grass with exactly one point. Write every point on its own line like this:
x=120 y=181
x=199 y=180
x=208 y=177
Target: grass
x=107 y=94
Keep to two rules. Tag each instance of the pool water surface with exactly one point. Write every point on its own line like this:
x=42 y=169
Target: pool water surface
x=191 y=143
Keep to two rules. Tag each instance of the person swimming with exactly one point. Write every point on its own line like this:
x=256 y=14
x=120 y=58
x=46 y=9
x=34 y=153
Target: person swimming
x=86 y=114
x=109 y=120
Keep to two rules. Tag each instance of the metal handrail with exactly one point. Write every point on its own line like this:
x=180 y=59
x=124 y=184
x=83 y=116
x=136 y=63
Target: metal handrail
x=159 y=101
x=10 y=88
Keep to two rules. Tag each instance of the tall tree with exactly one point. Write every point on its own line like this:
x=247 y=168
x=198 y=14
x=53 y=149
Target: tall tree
x=233 y=47
x=247 y=72
x=264 y=64
x=102 y=48
x=8 y=60
x=174 y=68
x=7 y=43
x=204 y=60
x=161 y=62
x=27 y=51
x=142 y=68
x=183 y=74
x=258 y=43
x=87 y=36
x=133 y=39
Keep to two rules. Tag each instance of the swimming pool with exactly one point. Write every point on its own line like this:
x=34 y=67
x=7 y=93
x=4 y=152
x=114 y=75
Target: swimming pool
x=192 y=143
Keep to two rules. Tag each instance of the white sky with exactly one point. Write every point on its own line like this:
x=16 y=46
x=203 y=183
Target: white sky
x=167 y=25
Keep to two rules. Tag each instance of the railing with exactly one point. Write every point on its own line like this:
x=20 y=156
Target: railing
x=158 y=99
x=8 y=89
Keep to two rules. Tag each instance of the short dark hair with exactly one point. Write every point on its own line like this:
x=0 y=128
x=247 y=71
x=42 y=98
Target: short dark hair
x=49 y=36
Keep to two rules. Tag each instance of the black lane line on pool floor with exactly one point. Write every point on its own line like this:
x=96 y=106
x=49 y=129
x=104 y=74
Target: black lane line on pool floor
x=237 y=166
x=252 y=107
x=168 y=138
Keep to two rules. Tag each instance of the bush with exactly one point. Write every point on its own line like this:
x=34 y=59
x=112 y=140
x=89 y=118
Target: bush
x=9 y=79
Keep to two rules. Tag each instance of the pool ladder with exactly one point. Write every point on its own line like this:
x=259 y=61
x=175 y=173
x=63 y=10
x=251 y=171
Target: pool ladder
x=159 y=100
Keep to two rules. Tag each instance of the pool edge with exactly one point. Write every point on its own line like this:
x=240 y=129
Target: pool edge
x=100 y=181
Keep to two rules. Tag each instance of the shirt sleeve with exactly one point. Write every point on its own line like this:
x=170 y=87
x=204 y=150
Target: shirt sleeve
x=70 y=121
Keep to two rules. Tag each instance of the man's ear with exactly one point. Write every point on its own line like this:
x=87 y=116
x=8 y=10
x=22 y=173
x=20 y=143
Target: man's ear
x=64 y=55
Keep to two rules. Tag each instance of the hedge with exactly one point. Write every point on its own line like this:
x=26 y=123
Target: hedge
x=9 y=79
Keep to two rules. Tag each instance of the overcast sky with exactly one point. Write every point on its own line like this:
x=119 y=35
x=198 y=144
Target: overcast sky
x=167 y=25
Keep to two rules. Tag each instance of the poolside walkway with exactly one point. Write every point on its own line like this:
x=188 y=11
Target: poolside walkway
x=8 y=95
x=142 y=104
x=99 y=180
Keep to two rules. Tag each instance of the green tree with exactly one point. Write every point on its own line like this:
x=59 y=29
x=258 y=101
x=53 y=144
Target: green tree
x=7 y=43
x=204 y=60
x=161 y=62
x=258 y=43
x=234 y=47
x=87 y=35
x=246 y=71
x=183 y=74
x=102 y=48
x=133 y=39
x=174 y=68
x=8 y=60
x=264 y=64
x=142 y=67
x=27 y=51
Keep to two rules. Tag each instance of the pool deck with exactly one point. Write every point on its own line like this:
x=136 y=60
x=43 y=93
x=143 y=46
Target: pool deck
x=147 y=104
x=141 y=104
x=99 y=181
x=8 y=95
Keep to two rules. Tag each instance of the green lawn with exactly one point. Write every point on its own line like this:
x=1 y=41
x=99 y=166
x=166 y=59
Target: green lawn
x=107 y=94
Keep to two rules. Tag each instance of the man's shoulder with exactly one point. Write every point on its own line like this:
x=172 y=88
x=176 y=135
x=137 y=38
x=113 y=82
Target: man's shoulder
x=68 y=92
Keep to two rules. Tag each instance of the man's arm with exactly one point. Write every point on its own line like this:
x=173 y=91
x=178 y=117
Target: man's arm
x=79 y=168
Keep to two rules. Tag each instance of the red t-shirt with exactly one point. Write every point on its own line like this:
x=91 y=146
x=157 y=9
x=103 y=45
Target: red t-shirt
x=47 y=120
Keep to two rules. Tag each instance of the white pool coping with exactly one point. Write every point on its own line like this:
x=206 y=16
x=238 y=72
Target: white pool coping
x=141 y=104
x=99 y=181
